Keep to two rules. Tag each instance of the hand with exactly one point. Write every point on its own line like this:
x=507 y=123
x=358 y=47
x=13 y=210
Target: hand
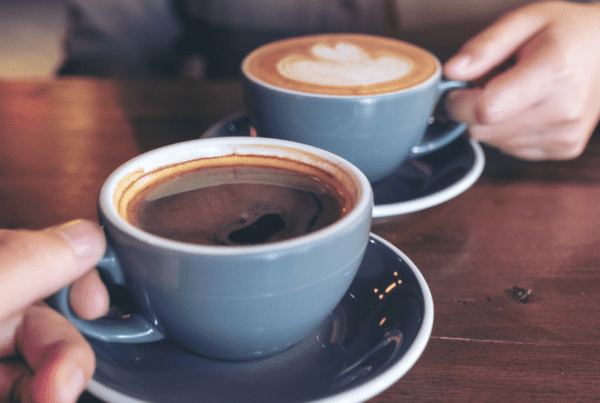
x=546 y=105
x=43 y=358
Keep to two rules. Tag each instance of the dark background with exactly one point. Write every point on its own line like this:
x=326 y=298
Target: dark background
x=30 y=37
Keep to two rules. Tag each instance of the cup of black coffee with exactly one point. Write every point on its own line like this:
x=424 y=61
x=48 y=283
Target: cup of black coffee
x=235 y=248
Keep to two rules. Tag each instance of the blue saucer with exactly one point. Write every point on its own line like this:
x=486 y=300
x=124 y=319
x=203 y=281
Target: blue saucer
x=419 y=183
x=369 y=341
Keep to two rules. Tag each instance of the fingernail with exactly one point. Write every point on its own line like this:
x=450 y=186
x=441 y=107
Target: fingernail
x=460 y=63
x=83 y=237
x=73 y=386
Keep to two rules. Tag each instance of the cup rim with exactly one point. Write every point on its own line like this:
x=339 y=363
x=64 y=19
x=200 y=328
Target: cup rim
x=430 y=81
x=190 y=150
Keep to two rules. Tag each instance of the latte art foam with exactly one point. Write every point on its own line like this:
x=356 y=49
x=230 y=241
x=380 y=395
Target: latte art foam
x=343 y=65
x=340 y=64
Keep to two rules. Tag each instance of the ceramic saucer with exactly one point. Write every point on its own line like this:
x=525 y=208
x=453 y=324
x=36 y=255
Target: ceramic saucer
x=418 y=184
x=371 y=339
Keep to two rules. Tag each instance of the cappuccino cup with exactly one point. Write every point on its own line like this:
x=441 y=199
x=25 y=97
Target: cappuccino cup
x=366 y=98
x=225 y=245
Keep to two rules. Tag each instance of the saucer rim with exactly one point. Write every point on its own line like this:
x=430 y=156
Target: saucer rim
x=404 y=207
x=439 y=197
x=359 y=393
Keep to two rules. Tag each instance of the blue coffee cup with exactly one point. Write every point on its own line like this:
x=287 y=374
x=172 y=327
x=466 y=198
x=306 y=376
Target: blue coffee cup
x=227 y=302
x=376 y=127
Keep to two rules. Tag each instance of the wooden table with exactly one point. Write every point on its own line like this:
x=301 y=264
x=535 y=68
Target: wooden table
x=535 y=226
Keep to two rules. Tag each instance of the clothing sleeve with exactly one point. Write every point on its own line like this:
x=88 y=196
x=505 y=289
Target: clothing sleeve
x=112 y=37
x=415 y=15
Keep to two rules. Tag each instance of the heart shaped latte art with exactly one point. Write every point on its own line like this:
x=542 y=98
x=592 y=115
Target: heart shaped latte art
x=343 y=65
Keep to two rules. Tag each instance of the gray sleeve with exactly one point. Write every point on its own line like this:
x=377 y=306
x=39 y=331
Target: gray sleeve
x=112 y=37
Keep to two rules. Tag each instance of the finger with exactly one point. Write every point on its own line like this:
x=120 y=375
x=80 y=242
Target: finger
x=538 y=153
x=549 y=124
x=13 y=373
x=541 y=118
x=464 y=106
x=8 y=328
x=528 y=84
x=89 y=297
x=61 y=359
x=35 y=264
x=495 y=44
x=561 y=142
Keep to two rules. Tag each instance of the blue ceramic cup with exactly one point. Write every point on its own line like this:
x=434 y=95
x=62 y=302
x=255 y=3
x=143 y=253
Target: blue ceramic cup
x=228 y=302
x=368 y=99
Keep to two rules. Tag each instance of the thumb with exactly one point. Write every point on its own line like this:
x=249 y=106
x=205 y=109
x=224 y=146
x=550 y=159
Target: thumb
x=494 y=45
x=35 y=264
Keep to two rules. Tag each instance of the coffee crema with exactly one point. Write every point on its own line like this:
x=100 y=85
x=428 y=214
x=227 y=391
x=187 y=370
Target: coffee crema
x=341 y=64
x=234 y=200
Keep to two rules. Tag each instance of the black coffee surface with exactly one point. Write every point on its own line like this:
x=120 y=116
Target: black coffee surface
x=241 y=206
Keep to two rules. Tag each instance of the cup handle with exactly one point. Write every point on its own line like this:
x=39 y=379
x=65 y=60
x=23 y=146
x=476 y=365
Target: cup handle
x=133 y=328
x=440 y=134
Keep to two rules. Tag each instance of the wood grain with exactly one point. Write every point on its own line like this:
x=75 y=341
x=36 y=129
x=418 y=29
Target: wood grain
x=535 y=226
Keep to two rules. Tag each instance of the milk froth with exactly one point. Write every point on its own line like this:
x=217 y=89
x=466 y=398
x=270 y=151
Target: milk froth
x=345 y=64
x=341 y=64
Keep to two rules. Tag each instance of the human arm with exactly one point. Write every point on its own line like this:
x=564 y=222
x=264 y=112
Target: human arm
x=545 y=105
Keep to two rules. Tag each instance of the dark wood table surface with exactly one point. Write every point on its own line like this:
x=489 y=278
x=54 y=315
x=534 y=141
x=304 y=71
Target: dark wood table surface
x=530 y=225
